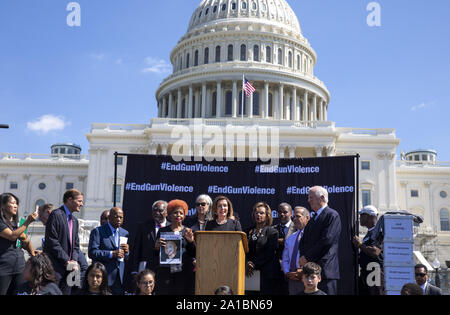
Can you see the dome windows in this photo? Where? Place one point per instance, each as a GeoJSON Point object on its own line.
{"type": "Point", "coordinates": [253, 6]}
{"type": "Point", "coordinates": [224, 7]}
{"type": "Point", "coordinates": [206, 59]}
{"type": "Point", "coordinates": [244, 5]}
{"type": "Point", "coordinates": [215, 9]}
{"type": "Point", "coordinates": [243, 53]}
{"type": "Point", "coordinates": [218, 54]}
{"type": "Point", "coordinates": [268, 54]}
{"type": "Point", "coordinates": [207, 11]}
{"type": "Point", "coordinates": [280, 56]}
{"type": "Point", "coordinates": [230, 53]}
{"type": "Point", "coordinates": [196, 58]}
{"type": "Point", "coordinates": [233, 6]}
{"type": "Point", "coordinates": [256, 53]}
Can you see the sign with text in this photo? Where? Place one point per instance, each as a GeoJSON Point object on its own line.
{"type": "Point", "coordinates": [150, 178]}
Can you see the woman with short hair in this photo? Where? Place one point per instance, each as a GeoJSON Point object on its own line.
{"type": "Point", "coordinates": [176, 279]}
{"type": "Point", "coordinates": [223, 216]}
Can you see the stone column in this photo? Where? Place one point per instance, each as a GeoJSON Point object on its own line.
{"type": "Point", "coordinates": [159, 108]}
{"type": "Point", "coordinates": [235, 100]}
{"type": "Point", "coordinates": [179, 104]}
{"type": "Point", "coordinates": [250, 106]}
{"type": "Point", "coordinates": [204, 100]}
{"type": "Point", "coordinates": [282, 148]}
{"type": "Point", "coordinates": [315, 107]}
{"type": "Point", "coordinates": [319, 151]}
{"type": "Point", "coordinates": [219, 100]}
{"type": "Point", "coordinates": [292, 152]}
{"type": "Point", "coordinates": [190, 104]}
{"type": "Point", "coordinates": [197, 104]}
{"type": "Point", "coordinates": [266, 100]}
{"type": "Point", "coordinates": [171, 112]}
{"type": "Point", "coordinates": [325, 113]}
{"type": "Point", "coordinates": [305, 116]}
{"type": "Point", "coordinates": [287, 107]}
{"type": "Point", "coordinates": [294, 115]}
{"type": "Point", "coordinates": [281, 101]}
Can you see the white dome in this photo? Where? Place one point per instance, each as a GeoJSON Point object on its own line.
{"type": "Point", "coordinates": [275, 12]}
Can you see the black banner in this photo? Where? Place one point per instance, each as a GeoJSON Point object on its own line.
{"type": "Point", "coordinates": [150, 178]}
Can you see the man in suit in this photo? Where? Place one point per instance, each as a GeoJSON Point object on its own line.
{"type": "Point", "coordinates": [106, 247]}
{"type": "Point", "coordinates": [291, 267]}
{"type": "Point", "coordinates": [320, 240]}
{"type": "Point", "coordinates": [61, 243]}
{"type": "Point", "coordinates": [146, 237]}
{"type": "Point", "coordinates": [285, 228]}
{"type": "Point", "coordinates": [421, 274]}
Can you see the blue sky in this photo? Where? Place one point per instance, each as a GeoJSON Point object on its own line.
{"type": "Point", "coordinates": [55, 80]}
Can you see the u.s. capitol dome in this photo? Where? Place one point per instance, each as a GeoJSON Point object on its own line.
{"type": "Point", "coordinates": [229, 39]}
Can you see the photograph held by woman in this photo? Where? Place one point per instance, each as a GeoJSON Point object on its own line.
{"type": "Point", "coordinates": [12, 260]}
{"type": "Point", "coordinates": [262, 245]}
{"type": "Point", "coordinates": [176, 279]}
{"type": "Point", "coordinates": [223, 216]}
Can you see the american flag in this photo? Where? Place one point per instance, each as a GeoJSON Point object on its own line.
{"type": "Point", "coordinates": [248, 87]}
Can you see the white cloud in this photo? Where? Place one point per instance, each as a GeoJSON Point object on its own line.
{"type": "Point", "coordinates": [155, 65]}
{"type": "Point", "coordinates": [421, 106]}
{"type": "Point", "coordinates": [47, 123]}
{"type": "Point", "coordinates": [98, 57]}
{"type": "Point", "coordinates": [119, 61]}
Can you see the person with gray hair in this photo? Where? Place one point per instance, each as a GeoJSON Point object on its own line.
{"type": "Point", "coordinates": [320, 240]}
{"type": "Point", "coordinates": [143, 256]}
{"type": "Point", "coordinates": [197, 221]}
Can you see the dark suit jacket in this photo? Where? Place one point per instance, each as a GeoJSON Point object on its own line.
{"type": "Point", "coordinates": [262, 252]}
{"type": "Point", "coordinates": [432, 290]}
{"type": "Point", "coordinates": [144, 246]}
{"type": "Point", "coordinates": [320, 242]}
{"type": "Point", "coordinates": [280, 228]}
{"type": "Point", "coordinates": [101, 243]}
{"type": "Point", "coordinates": [57, 243]}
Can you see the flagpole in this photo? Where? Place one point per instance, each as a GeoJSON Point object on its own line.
{"type": "Point", "coordinates": [242, 103]}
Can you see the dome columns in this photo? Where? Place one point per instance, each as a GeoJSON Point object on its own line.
{"type": "Point", "coordinates": [222, 98]}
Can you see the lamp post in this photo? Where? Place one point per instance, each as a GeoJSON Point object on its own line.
{"type": "Point", "coordinates": [436, 265]}
{"type": "Point", "coordinates": [4, 126]}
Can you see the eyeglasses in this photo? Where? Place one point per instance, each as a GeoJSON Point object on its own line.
{"type": "Point", "coordinates": [203, 204]}
{"type": "Point", "coordinates": [421, 274]}
{"type": "Point", "coordinates": [147, 282]}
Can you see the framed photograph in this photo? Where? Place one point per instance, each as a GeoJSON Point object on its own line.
{"type": "Point", "coordinates": [171, 254]}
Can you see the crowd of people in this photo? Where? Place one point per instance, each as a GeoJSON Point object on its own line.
{"type": "Point", "coordinates": [296, 256]}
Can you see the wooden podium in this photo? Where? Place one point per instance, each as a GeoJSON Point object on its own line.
{"type": "Point", "coordinates": [220, 261]}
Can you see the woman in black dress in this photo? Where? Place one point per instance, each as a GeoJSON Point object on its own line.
{"type": "Point", "coordinates": [40, 277]}
{"type": "Point", "coordinates": [222, 211]}
{"type": "Point", "coordinates": [176, 279]}
{"type": "Point", "coordinates": [262, 245]}
{"type": "Point", "coordinates": [12, 261]}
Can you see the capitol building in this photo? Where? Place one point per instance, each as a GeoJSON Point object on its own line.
{"type": "Point", "coordinates": [263, 41]}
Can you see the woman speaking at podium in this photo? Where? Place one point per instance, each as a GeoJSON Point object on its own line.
{"type": "Point", "coordinates": [222, 211]}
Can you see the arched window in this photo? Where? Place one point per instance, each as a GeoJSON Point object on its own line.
{"type": "Point", "coordinates": [215, 9]}
{"type": "Point", "coordinates": [218, 54]}
{"type": "Point", "coordinates": [445, 220]}
{"type": "Point", "coordinates": [290, 59]}
{"type": "Point", "coordinates": [244, 5]}
{"type": "Point", "coordinates": [268, 54]}
{"type": "Point", "coordinates": [187, 60]}
{"type": "Point", "coordinates": [280, 56]}
{"type": "Point", "coordinates": [256, 111]}
{"type": "Point", "coordinates": [243, 53]}
{"type": "Point", "coordinates": [228, 103]}
{"type": "Point", "coordinates": [206, 59]}
{"type": "Point", "coordinates": [196, 58]}
{"type": "Point", "coordinates": [233, 6]}
{"type": "Point", "coordinates": [224, 7]}
{"type": "Point", "coordinates": [256, 53]}
{"type": "Point", "coordinates": [230, 53]}
{"type": "Point", "coordinates": [254, 5]}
